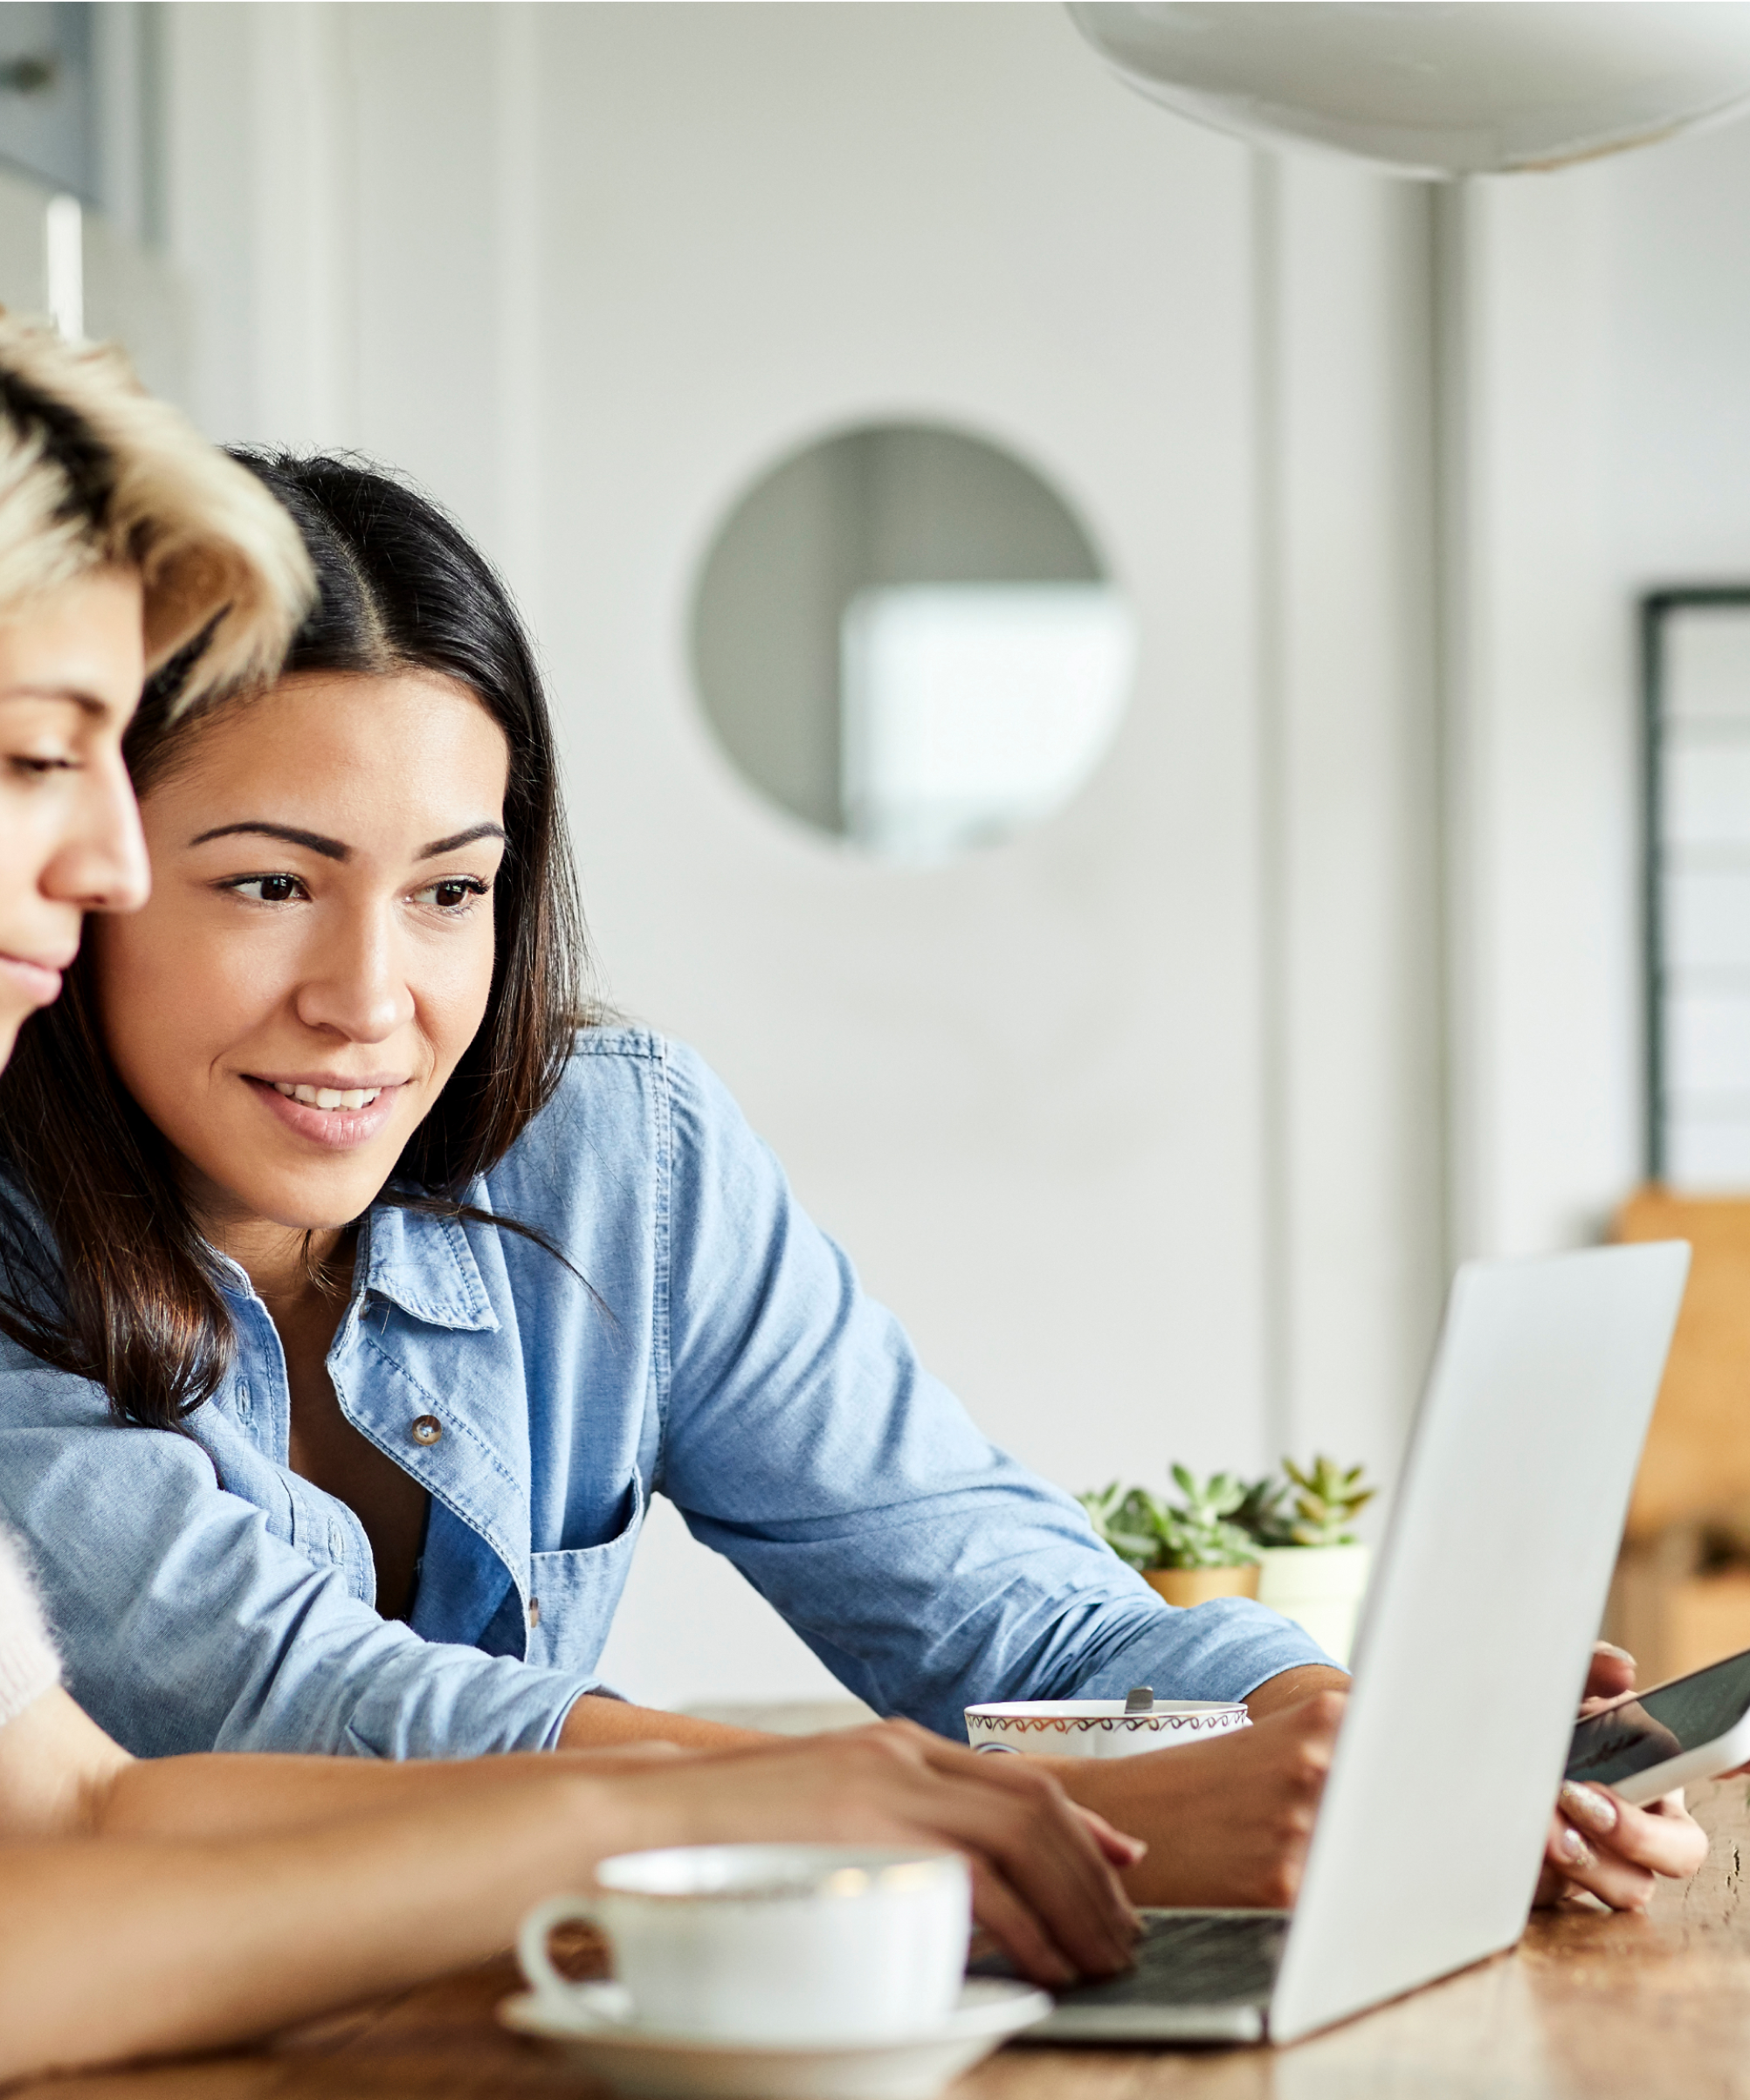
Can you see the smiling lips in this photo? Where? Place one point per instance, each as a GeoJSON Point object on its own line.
{"type": "Point", "coordinates": [338, 1118]}
{"type": "Point", "coordinates": [327, 1097]}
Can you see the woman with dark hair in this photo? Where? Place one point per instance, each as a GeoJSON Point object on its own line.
{"type": "Point", "coordinates": [216, 1898]}
{"type": "Point", "coordinates": [364, 1290]}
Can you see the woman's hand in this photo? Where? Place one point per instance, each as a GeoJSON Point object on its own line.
{"type": "Point", "coordinates": [1602, 1846]}
{"type": "Point", "coordinates": [1043, 1874]}
{"type": "Point", "coordinates": [1228, 1822]}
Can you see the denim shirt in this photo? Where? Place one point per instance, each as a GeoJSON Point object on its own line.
{"type": "Point", "coordinates": [205, 1597]}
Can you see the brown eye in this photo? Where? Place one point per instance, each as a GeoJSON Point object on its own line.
{"type": "Point", "coordinates": [266, 889]}
{"type": "Point", "coordinates": [453, 894]}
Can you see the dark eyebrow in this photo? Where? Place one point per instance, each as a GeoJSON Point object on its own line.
{"type": "Point", "coordinates": [461, 838]}
{"type": "Point", "coordinates": [330, 849]}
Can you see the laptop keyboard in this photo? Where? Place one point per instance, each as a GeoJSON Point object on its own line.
{"type": "Point", "coordinates": [1185, 1957]}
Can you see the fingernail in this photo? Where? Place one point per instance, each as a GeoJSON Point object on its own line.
{"type": "Point", "coordinates": [1609, 1648]}
{"type": "Point", "coordinates": [1574, 1849]}
{"type": "Point", "coordinates": [1597, 1811]}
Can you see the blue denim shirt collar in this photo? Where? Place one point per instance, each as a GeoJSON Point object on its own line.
{"type": "Point", "coordinates": [423, 1264]}
{"type": "Point", "coordinates": [427, 1267]}
{"type": "Point", "coordinates": [386, 1374]}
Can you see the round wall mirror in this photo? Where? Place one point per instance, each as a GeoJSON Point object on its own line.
{"type": "Point", "coordinates": [902, 635]}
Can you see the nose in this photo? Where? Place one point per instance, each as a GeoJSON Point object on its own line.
{"type": "Point", "coordinates": [357, 989]}
{"type": "Point", "coordinates": [100, 864]}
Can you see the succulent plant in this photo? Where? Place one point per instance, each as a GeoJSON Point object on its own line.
{"type": "Point", "coordinates": [1195, 1533]}
{"type": "Point", "coordinates": [1325, 1502]}
{"type": "Point", "coordinates": [1146, 1532]}
{"type": "Point", "coordinates": [1261, 1515]}
{"type": "Point", "coordinates": [1223, 1521]}
{"type": "Point", "coordinates": [1126, 1519]}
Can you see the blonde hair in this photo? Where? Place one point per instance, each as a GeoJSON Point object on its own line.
{"type": "Point", "coordinates": [95, 472]}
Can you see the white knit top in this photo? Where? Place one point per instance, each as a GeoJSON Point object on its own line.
{"type": "Point", "coordinates": [28, 1664]}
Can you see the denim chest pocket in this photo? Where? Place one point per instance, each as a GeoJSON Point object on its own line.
{"type": "Point", "coordinates": [574, 1593]}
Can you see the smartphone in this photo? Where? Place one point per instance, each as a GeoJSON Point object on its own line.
{"type": "Point", "coordinates": [1646, 1743]}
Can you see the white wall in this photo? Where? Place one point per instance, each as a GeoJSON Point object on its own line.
{"type": "Point", "coordinates": [1677, 403]}
{"type": "Point", "coordinates": [1542, 1026]}
{"type": "Point", "coordinates": [1599, 446]}
{"type": "Point", "coordinates": [1137, 1119]}
{"type": "Point", "coordinates": [1353, 919]}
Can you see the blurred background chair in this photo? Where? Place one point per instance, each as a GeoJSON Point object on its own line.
{"type": "Point", "coordinates": [1682, 1594]}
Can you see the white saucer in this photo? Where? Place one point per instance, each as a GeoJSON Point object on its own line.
{"type": "Point", "coordinates": [675, 2067]}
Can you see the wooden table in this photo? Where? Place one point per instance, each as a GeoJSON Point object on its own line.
{"type": "Point", "coordinates": [1589, 2007]}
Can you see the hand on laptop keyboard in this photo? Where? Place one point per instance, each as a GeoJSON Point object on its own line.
{"type": "Point", "coordinates": [1228, 1822]}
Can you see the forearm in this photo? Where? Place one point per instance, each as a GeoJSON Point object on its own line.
{"type": "Point", "coordinates": [1291, 1687]}
{"type": "Point", "coordinates": [1139, 1793]}
{"type": "Point", "coordinates": [1147, 1794]}
{"type": "Point", "coordinates": [198, 1944]}
{"type": "Point", "coordinates": [235, 1794]}
{"type": "Point", "coordinates": [599, 1724]}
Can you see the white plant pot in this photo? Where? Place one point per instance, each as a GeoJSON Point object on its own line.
{"type": "Point", "coordinates": [1320, 1588]}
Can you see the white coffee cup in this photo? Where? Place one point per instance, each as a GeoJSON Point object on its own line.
{"type": "Point", "coordinates": [782, 1944]}
{"type": "Point", "coordinates": [1096, 1728]}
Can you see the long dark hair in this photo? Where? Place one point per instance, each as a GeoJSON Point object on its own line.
{"type": "Point", "coordinates": [128, 1293]}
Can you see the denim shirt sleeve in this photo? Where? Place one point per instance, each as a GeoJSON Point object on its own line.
{"type": "Point", "coordinates": [803, 1439]}
{"type": "Point", "coordinates": [141, 1554]}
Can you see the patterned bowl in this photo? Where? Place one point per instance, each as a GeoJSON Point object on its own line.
{"type": "Point", "coordinates": [1096, 1728]}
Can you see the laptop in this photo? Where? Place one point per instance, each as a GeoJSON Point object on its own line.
{"type": "Point", "coordinates": [1469, 1666]}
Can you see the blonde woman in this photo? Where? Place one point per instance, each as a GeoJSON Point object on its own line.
{"type": "Point", "coordinates": [217, 1896]}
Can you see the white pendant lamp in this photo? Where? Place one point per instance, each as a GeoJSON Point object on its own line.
{"type": "Point", "coordinates": [1484, 86]}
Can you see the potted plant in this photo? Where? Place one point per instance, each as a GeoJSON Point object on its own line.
{"type": "Point", "coordinates": [1311, 1568]}
{"type": "Point", "coordinates": [1189, 1550]}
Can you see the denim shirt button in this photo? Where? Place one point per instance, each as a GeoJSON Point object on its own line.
{"type": "Point", "coordinates": [426, 1428]}
{"type": "Point", "coordinates": [534, 1611]}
